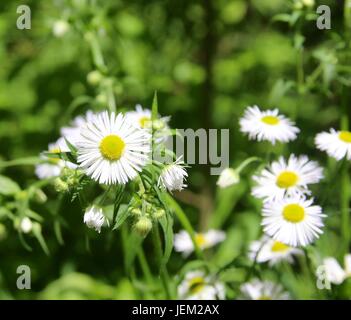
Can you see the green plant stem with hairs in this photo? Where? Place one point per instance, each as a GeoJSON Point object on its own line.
{"type": "Point", "coordinates": [163, 270]}
{"type": "Point", "coordinates": [184, 221]}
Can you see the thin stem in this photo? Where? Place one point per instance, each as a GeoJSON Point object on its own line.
{"type": "Point", "coordinates": [344, 206]}
{"type": "Point", "coordinates": [345, 180]}
{"type": "Point", "coordinates": [163, 270]}
{"type": "Point", "coordinates": [246, 163]}
{"type": "Point", "coordinates": [145, 268]}
{"type": "Point", "coordinates": [184, 221]}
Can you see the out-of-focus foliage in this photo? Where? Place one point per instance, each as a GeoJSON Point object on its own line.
{"type": "Point", "coordinates": [208, 60]}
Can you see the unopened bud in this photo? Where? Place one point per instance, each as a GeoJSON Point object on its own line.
{"type": "Point", "coordinates": [159, 213]}
{"type": "Point", "coordinates": [94, 77]}
{"type": "Point", "coordinates": [60, 185]}
{"type": "Point", "coordinates": [143, 226]}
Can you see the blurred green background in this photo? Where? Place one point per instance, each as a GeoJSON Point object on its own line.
{"type": "Point", "coordinates": [207, 59]}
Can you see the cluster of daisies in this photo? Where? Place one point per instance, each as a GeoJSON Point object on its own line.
{"type": "Point", "coordinates": [290, 219]}
{"type": "Point", "coordinates": [111, 149]}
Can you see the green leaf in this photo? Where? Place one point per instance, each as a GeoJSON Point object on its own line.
{"type": "Point", "coordinates": [37, 233]}
{"type": "Point", "coordinates": [154, 108]}
{"type": "Point", "coordinates": [166, 223]}
{"type": "Point", "coordinates": [122, 215]}
{"type": "Point", "coordinates": [131, 244]}
{"type": "Point", "coordinates": [8, 187]}
{"type": "Point", "coordinates": [21, 162]}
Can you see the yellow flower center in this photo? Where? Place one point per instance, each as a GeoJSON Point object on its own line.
{"type": "Point", "coordinates": [144, 121]}
{"type": "Point", "coordinates": [264, 297]}
{"type": "Point", "coordinates": [271, 120]}
{"type": "Point", "coordinates": [200, 239]}
{"type": "Point", "coordinates": [279, 247]}
{"type": "Point", "coordinates": [345, 136]}
{"type": "Point", "coordinates": [293, 213]}
{"type": "Point", "coordinates": [112, 147]}
{"type": "Point", "coordinates": [196, 284]}
{"type": "Point", "coordinates": [287, 179]}
{"type": "Point", "coordinates": [54, 160]}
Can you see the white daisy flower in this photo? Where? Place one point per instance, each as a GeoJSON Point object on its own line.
{"type": "Point", "coordinates": [267, 125]}
{"type": "Point", "coordinates": [227, 178]}
{"type": "Point", "coordinates": [72, 133]}
{"type": "Point", "coordinates": [287, 178]}
{"type": "Point", "coordinates": [26, 225]}
{"type": "Point", "coordinates": [142, 118]}
{"type": "Point", "coordinates": [294, 221]}
{"type": "Point", "coordinates": [336, 144]}
{"type": "Point", "coordinates": [52, 167]}
{"type": "Point", "coordinates": [184, 244]}
{"type": "Point", "coordinates": [334, 272]}
{"type": "Point", "coordinates": [272, 251]}
{"type": "Point", "coordinates": [94, 218]}
{"type": "Point", "coordinates": [197, 286]}
{"type": "Point", "coordinates": [111, 150]}
{"type": "Point", "coordinates": [172, 176]}
{"type": "Point", "coordinates": [263, 290]}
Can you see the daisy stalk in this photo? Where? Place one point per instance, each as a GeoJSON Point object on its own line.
{"type": "Point", "coordinates": [345, 183]}
{"type": "Point", "coordinates": [184, 221]}
{"type": "Point", "coordinates": [345, 180]}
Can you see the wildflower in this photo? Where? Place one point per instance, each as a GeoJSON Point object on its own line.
{"type": "Point", "coordinates": [287, 178]}
{"type": "Point", "coordinates": [71, 133]}
{"type": "Point", "coordinates": [142, 118]}
{"type": "Point", "coordinates": [172, 176]}
{"type": "Point", "coordinates": [272, 251]}
{"type": "Point", "coordinates": [293, 221]}
{"type": "Point", "coordinates": [197, 286]}
{"type": "Point", "coordinates": [110, 150]}
{"type": "Point", "coordinates": [94, 218]}
{"type": "Point", "coordinates": [336, 144]}
{"type": "Point", "coordinates": [227, 178]}
{"type": "Point", "coordinates": [263, 290]}
{"type": "Point", "coordinates": [267, 125]}
{"type": "Point", "coordinates": [334, 272]}
{"type": "Point", "coordinates": [184, 244]}
{"type": "Point", "coordinates": [52, 167]}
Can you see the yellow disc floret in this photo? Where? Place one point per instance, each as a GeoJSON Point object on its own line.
{"type": "Point", "coordinates": [345, 136]}
{"type": "Point", "coordinates": [294, 213]}
{"type": "Point", "coordinates": [271, 120]}
{"type": "Point", "coordinates": [200, 239]}
{"type": "Point", "coordinates": [196, 284]}
{"type": "Point", "coordinates": [112, 147]}
{"type": "Point", "coordinates": [287, 179]}
{"type": "Point", "coordinates": [279, 247]}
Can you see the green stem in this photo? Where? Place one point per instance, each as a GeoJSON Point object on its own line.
{"type": "Point", "coordinates": [163, 270]}
{"type": "Point", "coordinates": [145, 268]}
{"type": "Point", "coordinates": [344, 206]}
{"type": "Point", "coordinates": [345, 180]}
{"type": "Point", "coordinates": [184, 221]}
{"type": "Point", "coordinates": [246, 163]}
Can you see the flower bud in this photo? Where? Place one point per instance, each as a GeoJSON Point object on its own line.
{"type": "Point", "coordinates": [94, 77]}
{"type": "Point", "coordinates": [228, 178]}
{"type": "Point", "coordinates": [159, 213]}
{"type": "Point", "coordinates": [40, 196]}
{"type": "Point", "coordinates": [143, 226]}
{"type": "Point", "coordinates": [60, 185]}
{"type": "Point", "coordinates": [60, 28]}
{"type": "Point", "coordinates": [136, 212]}
{"type": "Point", "coordinates": [26, 225]}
